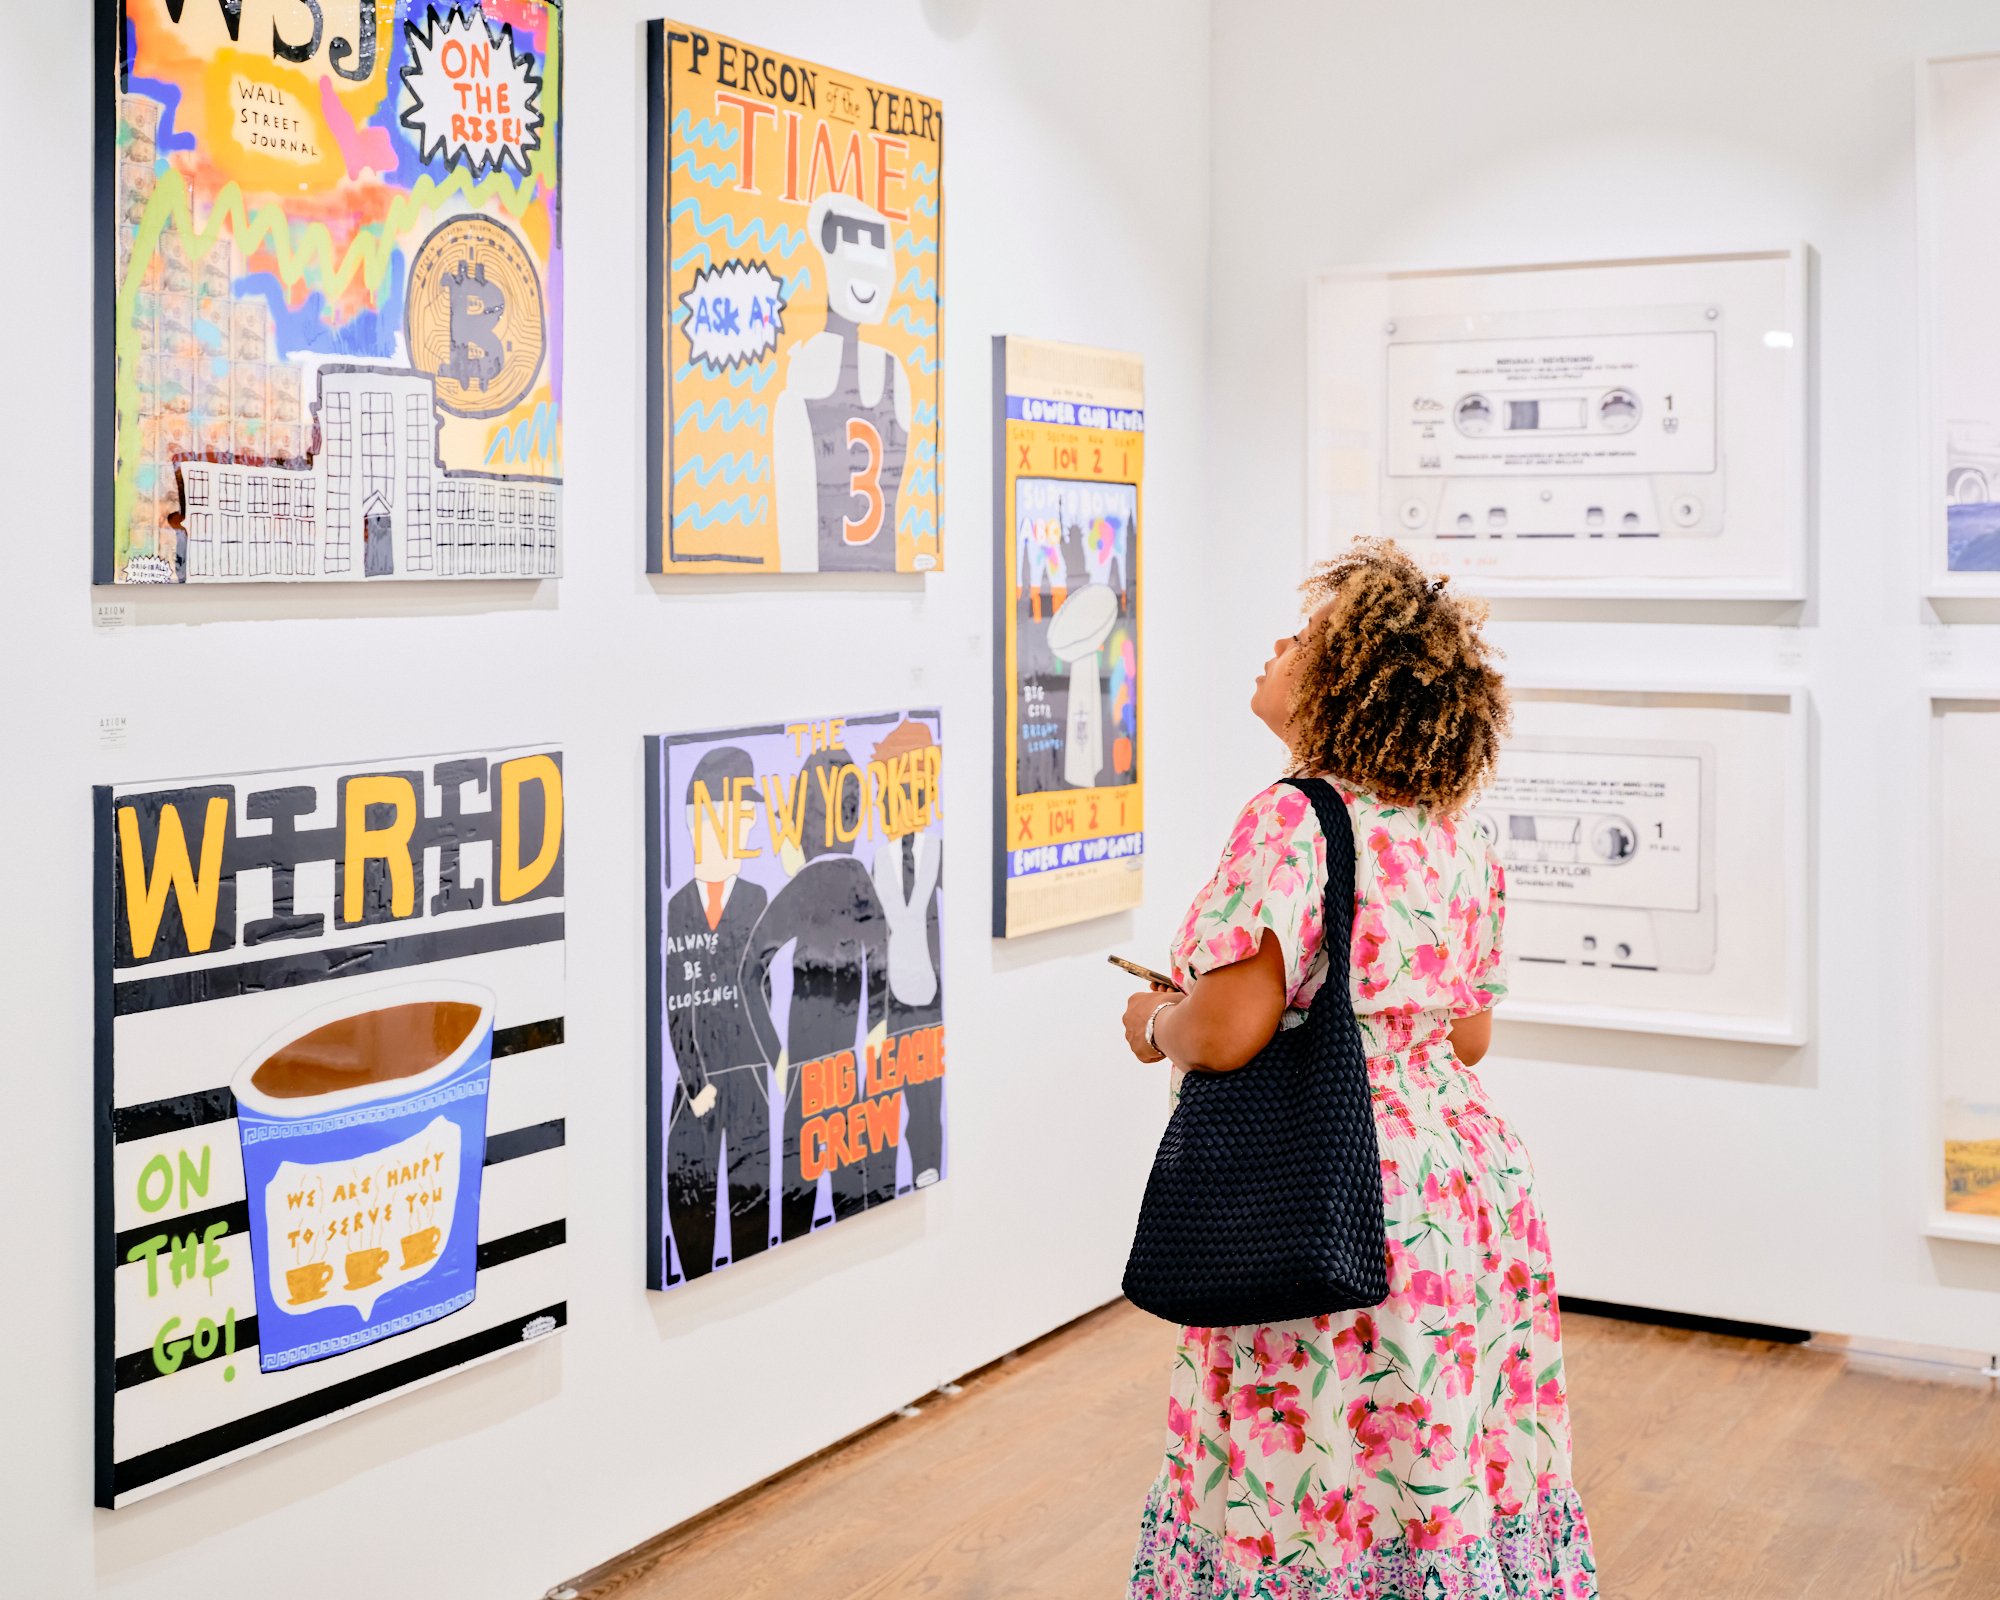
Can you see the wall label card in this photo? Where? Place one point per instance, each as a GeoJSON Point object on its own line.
{"type": "Point", "coordinates": [1069, 443]}
{"type": "Point", "coordinates": [330, 270]}
{"type": "Point", "coordinates": [795, 986]}
{"type": "Point", "coordinates": [795, 312]}
{"type": "Point", "coordinates": [329, 1095]}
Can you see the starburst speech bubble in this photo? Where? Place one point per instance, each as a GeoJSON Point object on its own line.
{"type": "Point", "coordinates": [733, 314]}
{"type": "Point", "coordinates": [469, 96]}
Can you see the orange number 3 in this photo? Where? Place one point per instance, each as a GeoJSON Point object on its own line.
{"type": "Point", "coordinates": [866, 481]}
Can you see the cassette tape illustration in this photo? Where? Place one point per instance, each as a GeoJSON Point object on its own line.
{"type": "Point", "coordinates": [1609, 848]}
{"type": "Point", "coordinates": [1585, 424]}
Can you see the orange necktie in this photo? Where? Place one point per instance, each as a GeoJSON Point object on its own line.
{"type": "Point", "coordinates": [714, 893]}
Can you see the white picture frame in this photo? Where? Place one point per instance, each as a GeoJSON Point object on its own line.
{"type": "Point", "coordinates": [1958, 146]}
{"type": "Point", "coordinates": [1724, 993]}
{"type": "Point", "coordinates": [1968, 850]}
{"type": "Point", "coordinates": [1727, 524]}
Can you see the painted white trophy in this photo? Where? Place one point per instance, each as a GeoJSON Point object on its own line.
{"type": "Point", "coordinates": [1076, 633]}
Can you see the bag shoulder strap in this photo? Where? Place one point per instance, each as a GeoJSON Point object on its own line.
{"type": "Point", "coordinates": [1338, 909]}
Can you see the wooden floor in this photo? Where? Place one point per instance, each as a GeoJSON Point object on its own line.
{"type": "Point", "coordinates": [1710, 1467]}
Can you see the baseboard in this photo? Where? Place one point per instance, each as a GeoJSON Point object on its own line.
{"type": "Point", "coordinates": [1729, 1327]}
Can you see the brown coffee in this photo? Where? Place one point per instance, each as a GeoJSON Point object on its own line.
{"type": "Point", "coordinates": [374, 1047]}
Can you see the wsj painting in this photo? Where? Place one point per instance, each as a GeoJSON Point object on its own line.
{"type": "Point", "coordinates": [795, 303]}
{"type": "Point", "coordinates": [795, 905]}
{"type": "Point", "coordinates": [330, 288]}
{"type": "Point", "coordinates": [330, 1119]}
{"type": "Point", "coordinates": [1070, 439]}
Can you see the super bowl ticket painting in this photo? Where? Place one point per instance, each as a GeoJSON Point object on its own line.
{"type": "Point", "coordinates": [795, 980]}
{"type": "Point", "coordinates": [795, 310]}
{"type": "Point", "coordinates": [1069, 802]}
{"type": "Point", "coordinates": [330, 1114]}
{"type": "Point", "coordinates": [330, 291]}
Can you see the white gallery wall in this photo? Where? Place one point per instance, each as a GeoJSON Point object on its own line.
{"type": "Point", "coordinates": [1162, 176]}
{"type": "Point", "coordinates": [1076, 211]}
{"type": "Point", "coordinates": [1789, 1186]}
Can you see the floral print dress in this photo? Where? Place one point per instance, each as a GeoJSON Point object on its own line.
{"type": "Point", "coordinates": [1419, 1450]}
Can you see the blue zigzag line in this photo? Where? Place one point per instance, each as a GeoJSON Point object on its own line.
{"type": "Point", "coordinates": [922, 481]}
{"type": "Point", "coordinates": [925, 451]}
{"type": "Point", "coordinates": [740, 509]}
{"type": "Point", "coordinates": [754, 378]}
{"type": "Point", "coordinates": [534, 435]}
{"type": "Point", "coordinates": [781, 241]}
{"type": "Point", "coordinates": [920, 358]}
{"type": "Point", "coordinates": [923, 172]}
{"type": "Point", "coordinates": [924, 206]}
{"type": "Point", "coordinates": [926, 412]}
{"type": "Point", "coordinates": [701, 253]}
{"type": "Point", "coordinates": [916, 283]}
{"type": "Point", "coordinates": [917, 522]}
{"type": "Point", "coordinates": [715, 173]}
{"type": "Point", "coordinates": [723, 414]}
{"type": "Point", "coordinates": [712, 134]}
{"type": "Point", "coordinates": [921, 326]}
{"type": "Point", "coordinates": [909, 242]}
{"type": "Point", "coordinates": [745, 467]}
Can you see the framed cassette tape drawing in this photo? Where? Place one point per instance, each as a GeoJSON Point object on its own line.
{"type": "Point", "coordinates": [329, 1096]}
{"type": "Point", "coordinates": [1069, 438]}
{"type": "Point", "coordinates": [1625, 429]}
{"type": "Point", "coordinates": [1654, 842]}
{"type": "Point", "coordinates": [1962, 1177]}
{"type": "Point", "coordinates": [1958, 123]}
{"type": "Point", "coordinates": [795, 981]}
{"type": "Point", "coordinates": [795, 297]}
{"type": "Point", "coordinates": [330, 291]}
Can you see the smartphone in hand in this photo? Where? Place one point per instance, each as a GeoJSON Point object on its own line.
{"type": "Point", "coordinates": [1137, 971]}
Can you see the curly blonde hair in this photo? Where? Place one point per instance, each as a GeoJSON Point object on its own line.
{"type": "Point", "coordinates": [1397, 692]}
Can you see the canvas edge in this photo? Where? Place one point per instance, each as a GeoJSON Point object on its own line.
{"type": "Point", "coordinates": [105, 1245]}
{"type": "Point", "coordinates": [109, 70]}
{"type": "Point", "coordinates": [656, 1138]}
{"type": "Point", "coordinates": [1002, 690]}
{"type": "Point", "coordinates": [939, 443]}
{"type": "Point", "coordinates": [656, 344]}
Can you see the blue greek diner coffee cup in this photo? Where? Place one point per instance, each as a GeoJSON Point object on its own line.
{"type": "Point", "coordinates": [363, 1129]}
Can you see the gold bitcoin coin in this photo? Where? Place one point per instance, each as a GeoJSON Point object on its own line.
{"type": "Point", "coordinates": [474, 316]}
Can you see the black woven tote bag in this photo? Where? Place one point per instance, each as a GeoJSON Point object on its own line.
{"type": "Point", "coordinates": [1265, 1202]}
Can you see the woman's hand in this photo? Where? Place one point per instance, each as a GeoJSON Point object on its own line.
{"type": "Point", "coordinates": [1227, 1017]}
{"type": "Point", "coordinates": [1138, 1010]}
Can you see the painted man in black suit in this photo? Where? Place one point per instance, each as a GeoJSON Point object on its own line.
{"type": "Point", "coordinates": [828, 913]}
{"type": "Point", "coordinates": [721, 1106]}
{"type": "Point", "coordinates": [909, 875]}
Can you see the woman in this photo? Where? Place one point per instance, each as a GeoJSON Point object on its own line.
{"type": "Point", "coordinates": [1418, 1450]}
